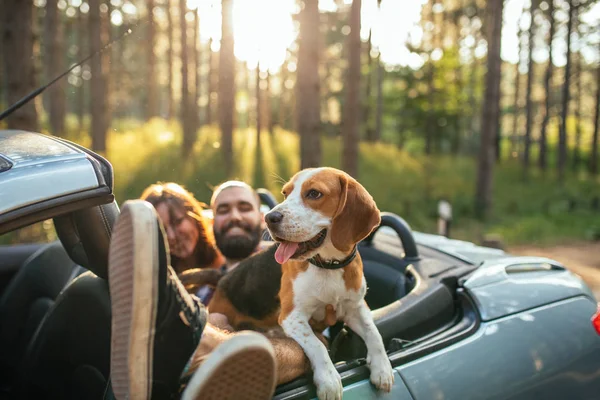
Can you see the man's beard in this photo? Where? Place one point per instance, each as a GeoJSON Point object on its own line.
{"type": "Point", "coordinates": [238, 247]}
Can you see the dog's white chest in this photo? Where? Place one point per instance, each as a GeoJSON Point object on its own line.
{"type": "Point", "coordinates": [317, 287]}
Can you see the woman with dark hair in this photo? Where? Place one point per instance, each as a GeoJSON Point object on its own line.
{"type": "Point", "coordinates": [189, 233]}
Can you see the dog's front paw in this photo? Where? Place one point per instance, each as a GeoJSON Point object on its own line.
{"type": "Point", "coordinates": [382, 375]}
{"type": "Point", "coordinates": [328, 383]}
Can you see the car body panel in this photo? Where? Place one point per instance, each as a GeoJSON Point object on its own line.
{"type": "Point", "coordinates": [551, 352]}
{"type": "Point", "coordinates": [365, 390]}
{"type": "Point", "coordinates": [42, 169]}
{"type": "Point", "coordinates": [506, 286]}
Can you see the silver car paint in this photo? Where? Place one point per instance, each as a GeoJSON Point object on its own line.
{"type": "Point", "coordinates": [506, 286]}
{"type": "Point", "coordinates": [42, 169]}
{"type": "Point", "coordinates": [551, 352]}
{"type": "Point", "coordinates": [548, 353]}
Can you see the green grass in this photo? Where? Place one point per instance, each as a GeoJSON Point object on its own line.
{"type": "Point", "coordinates": [526, 211]}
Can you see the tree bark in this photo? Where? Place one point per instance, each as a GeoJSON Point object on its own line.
{"type": "Point", "coordinates": [370, 136]}
{"type": "Point", "coordinates": [562, 138]}
{"type": "Point", "coordinates": [98, 83]}
{"type": "Point", "coordinates": [379, 104]}
{"type": "Point", "coordinates": [258, 100]}
{"type": "Point", "coordinates": [170, 102]}
{"type": "Point", "coordinates": [197, 68]}
{"type": "Point", "coordinates": [352, 103]}
{"type": "Point", "coordinates": [308, 86]}
{"type": "Point", "coordinates": [226, 84]}
{"type": "Point", "coordinates": [430, 123]}
{"type": "Point", "coordinates": [281, 111]}
{"type": "Point", "coordinates": [269, 121]}
{"type": "Point", "coordinates": [209, 110]}
{"type": "Point", "coordinates": [530, 76]}
{"type": "Point", "coordinates": [152, 84]}
{"type": "Point", "coordinates": [594, 155]}
{"type": "Point", "coordinates": [516, 105]}
{"type": "Point", "coordinates": [185, 106]}
{"type": "Point", "coordinates": [490, 112]}
{"type": "Point", "coordinates": [54, 59]}
{"type": "Point", "coordinates": [17, 45]}
{"type": "Point", "coordinates": [578, 100]}
{"type": "Point", "coordinates": [547, 89]}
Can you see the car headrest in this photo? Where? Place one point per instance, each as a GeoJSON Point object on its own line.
{"type": "Point", "coordinates": [85, 235]}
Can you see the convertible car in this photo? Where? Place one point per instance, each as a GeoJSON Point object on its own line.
{"type": "Point", "coordinates": [459, 321]}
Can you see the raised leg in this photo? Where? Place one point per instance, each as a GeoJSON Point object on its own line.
{"type": "Point", "coordinates": [361, 322]}
{"type": "Point", "coordinates": [325, 376]}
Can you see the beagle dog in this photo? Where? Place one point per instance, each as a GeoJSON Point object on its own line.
{"type": "Point", "coordinates": [324, 215]}
{"type": "Point", "coordinates": [312, 276]}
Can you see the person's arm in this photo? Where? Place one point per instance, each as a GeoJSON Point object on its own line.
{"type": "Point", "coordinates": [290, 358]}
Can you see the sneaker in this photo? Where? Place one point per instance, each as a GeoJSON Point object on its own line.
{"type": "Point", "coordinates": [242, 367]}
{"type": "Point", "coordinates": [156, 324]}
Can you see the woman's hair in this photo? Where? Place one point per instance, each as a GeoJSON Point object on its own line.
{"type": "Point", "coordinates": [177, 198]}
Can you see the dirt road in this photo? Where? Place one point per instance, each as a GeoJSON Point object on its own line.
{"type": "Point", "coordinates": [581, 258]}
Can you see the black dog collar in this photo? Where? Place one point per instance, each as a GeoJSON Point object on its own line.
{"type": "Point", "coordinates": [333, 264]}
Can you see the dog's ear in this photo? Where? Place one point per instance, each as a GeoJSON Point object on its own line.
{"type": "Point", "coordinates": [356, 215]}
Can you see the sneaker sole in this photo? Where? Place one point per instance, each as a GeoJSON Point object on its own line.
{"type": "Point", "coordinates": [132, 272]}
{"type": "Point", "coordinates": [243, 367]}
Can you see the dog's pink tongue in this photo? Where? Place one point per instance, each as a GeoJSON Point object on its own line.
{"type": "Point", "coordinates": [285, 251]}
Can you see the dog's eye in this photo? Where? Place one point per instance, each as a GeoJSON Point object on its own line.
{"type": "Point", "coordinates": [314, 194]}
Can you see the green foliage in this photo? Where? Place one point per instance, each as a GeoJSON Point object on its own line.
{"type": "Point", "coordinates": [536, 210]}
{"type": "Point", "coordinates": [410, 184]}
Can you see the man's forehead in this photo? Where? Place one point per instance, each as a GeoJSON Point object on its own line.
{"type": "Point", "coordinates": [233, 195]}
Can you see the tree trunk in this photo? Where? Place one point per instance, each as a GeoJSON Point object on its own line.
{"type": "Point", "coordinates": [209, 110]}
{"type": "Point", "coordinates": [429, 125]}
{"type": "Point", "coordinates": [152, 84]}
{"type": "Point", "coordinates": [226, 84]}
{"type": "Point", "coordinates": [198, 66]}
{"type": "Point", "coordinates": [530, 76]}
{"type": "Point", "coordinates": [547, 88]}
{"type": "Point", "coordinates": [379, 108]}
{"type": "Point", "coordinates": [367, 101]}
{"type": "Point", "coordinates": [308, 114]}
{"type": "Point", "coordinates": [594, 155]}
{"type": "Point", "coordinates": [55, 64]}
{"type": "Point", "coordinates": [99, 69]}
{"type": "Point", "coordinates": [380, 75]}
{"type": "Point", "coordinates": [170, 102]}
{"type": "Point", "coordinates": [187, 121]}
{"type": "Point", "coordinates": [562, 138]}
{"type": "Point", "coordinates": [350, 129]}
{"type": "Point", "coordinates": [473, 78]}
{"type": "Point", "coordinates": [258, 100]}
{"type": "Point", "coordinates": [281, 117]}
{"type": "Point", "coordinates": [269, 120]}
{"type": "Point", "coordinates": [516, 102]}
{"type": "Point", "coordinates": [458, 78]}
{"type": "Point", "coordinates": [578, 95]}
{"type": "Point", "coordinates": [490, 112]}
{"type": "Point", "coordinates": [17, 45]}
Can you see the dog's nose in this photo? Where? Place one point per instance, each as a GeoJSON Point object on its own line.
{"type": "Point", "coordinates": [274, 217]}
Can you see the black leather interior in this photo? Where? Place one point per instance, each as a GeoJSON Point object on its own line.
{"type": "Point", "coordinates": [28, 297]}
{"type": "Point", "coordinates": [70, 356]}
{"type": "Point", "coordinates": [70, 352]}
{"type": "Point", "coordinates": [384, 284]}
{"type": "Point", "coordinates": [85, 234]}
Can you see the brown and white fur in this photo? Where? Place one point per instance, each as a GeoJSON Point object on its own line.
{"type": "Point", "coordinates": [318, 199]}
